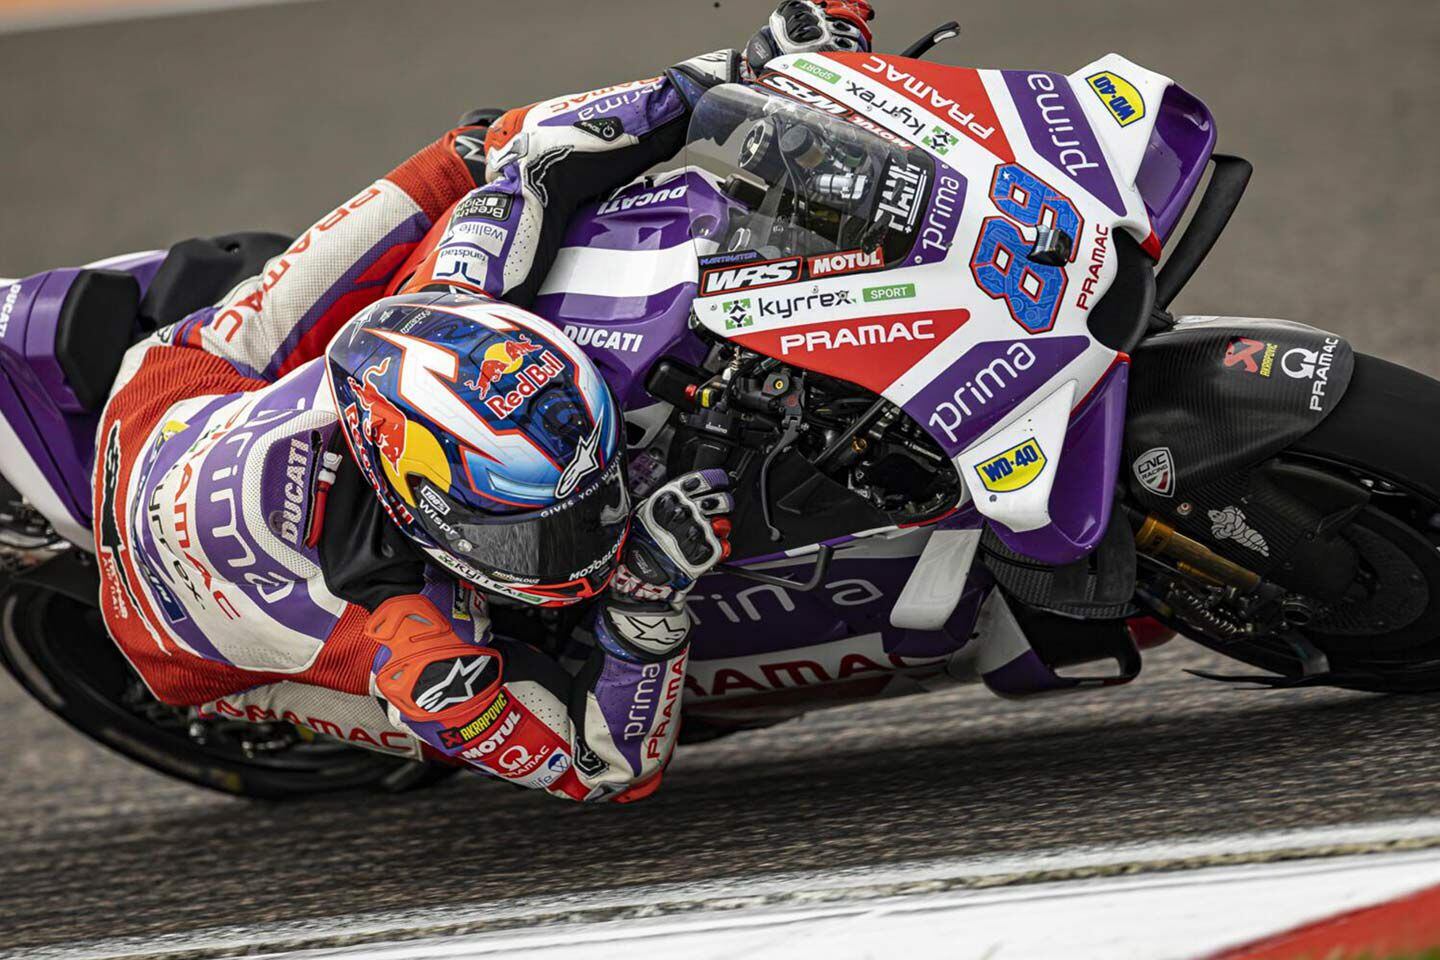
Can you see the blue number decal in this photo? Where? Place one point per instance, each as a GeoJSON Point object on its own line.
{"type": "Point", "coordinates": [1032, 291]}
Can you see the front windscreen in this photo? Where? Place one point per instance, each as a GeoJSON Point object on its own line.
{"type": "Point", "coordinates": [802, 182]}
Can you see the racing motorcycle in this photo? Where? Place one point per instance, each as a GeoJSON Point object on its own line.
{"type": "Point", "coordinates": [915, 311]}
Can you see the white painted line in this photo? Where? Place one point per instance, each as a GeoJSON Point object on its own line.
{"type": "Point", "coordinates": [852, 889]}
{"type": "Point", "coordinates": [59, 15]}
{"type": "Point", "coordinates": [1158, 916]}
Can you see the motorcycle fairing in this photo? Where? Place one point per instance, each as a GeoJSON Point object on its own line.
{"type": "Point", "coordinates": [959, 304]}
{"type": "Point", "coordinates": [625, 275]}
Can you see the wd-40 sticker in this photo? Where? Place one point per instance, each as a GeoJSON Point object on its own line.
{"type": "Point", "coordinates": [1014, 469]}
{"type": "Point", "coordinates": [1119, 96]}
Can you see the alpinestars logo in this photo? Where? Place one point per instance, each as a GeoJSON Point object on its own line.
{"type": "Point", "coordinates": [586, 462]}
{"type": "Point", "coordinates": [751, 276]}
{"type": "Point", "coordinates": [458, 685]}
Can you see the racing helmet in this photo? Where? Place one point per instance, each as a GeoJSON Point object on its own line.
{"type": "Point", "coordinates": [489, 438]}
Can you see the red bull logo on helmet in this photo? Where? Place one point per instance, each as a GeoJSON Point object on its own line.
{"type": "Point", "coordinates": [384, 422]}
{"type": "Point", "coordinates": [529, 380]}
{"type": "Point", "coordinates": [501, 359]}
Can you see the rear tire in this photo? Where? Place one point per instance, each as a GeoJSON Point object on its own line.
{"type": "Point", "coordinates": [58, 650]}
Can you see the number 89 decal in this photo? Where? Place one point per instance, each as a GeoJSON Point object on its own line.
{"type": "Point", "coordinates": [1032, 291]}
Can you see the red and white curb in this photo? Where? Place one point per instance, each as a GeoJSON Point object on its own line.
{"type": "Point", "coordinates": [1185, 900]}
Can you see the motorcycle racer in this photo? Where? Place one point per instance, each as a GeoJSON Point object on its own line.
{"type": "Point", "coordinates": [309, 496]}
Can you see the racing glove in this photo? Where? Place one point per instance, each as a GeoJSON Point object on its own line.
{"type": "Point", "coordinates": [677, 534]}
{"type": "Point", "coordinates": [810, 26]}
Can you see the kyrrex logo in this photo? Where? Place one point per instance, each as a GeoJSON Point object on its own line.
{"type": "Point", "coordinates": [737, 313]}
{"type": "Point", "coordinates": [787, 307]}
{"type": "Point", "coordinates": [749, 276]}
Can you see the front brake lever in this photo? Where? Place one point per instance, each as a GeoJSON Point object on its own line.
{"type": "Point", "coordinates": [946, 31]}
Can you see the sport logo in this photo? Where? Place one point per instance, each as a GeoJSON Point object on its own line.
{"type": "Point", "coordinates": [1119, 96]}
{"type": "Point", "coordinates": [1301, 363]}
{"type": "Point", "coordinates": [752, 276]}
{"type": "Point", "coordinates": [1251, 356]}
{"type": "Point", "coordinates": [940, 140]}
{"type": "Point", "coordinates": [500, 359]}
{"type": "Point", "coordinates": [787, 307]}
{"type": "Point", "coordinates": [1230, 524]}
{"type": "Point", "coordinates": [1155, 469]}
{"type": "Point", "coordinates": [492, 743]}
{"type": "Point", "coordinates": [649, 198]}
{"type": "Point", "coordinates": [816, 71]}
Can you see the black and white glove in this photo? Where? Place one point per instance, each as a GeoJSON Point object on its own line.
{"type": "Point", "coordinates": [810, 26]}
{"type": "Point", "coordinates": [677, 535]}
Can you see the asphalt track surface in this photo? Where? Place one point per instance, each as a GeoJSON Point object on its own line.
{"type": "Point", "coordinates": [125, 136]}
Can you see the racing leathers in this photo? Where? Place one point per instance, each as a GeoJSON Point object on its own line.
{"type": "Point", "coordinates": [228, 522]}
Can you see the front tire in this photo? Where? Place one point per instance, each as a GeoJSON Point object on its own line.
{"type": "Point", "coordinates": [1382, 634]}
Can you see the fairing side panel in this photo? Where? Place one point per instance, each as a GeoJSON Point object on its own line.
{"type": "Point", "coordinates": [625, 277]}
{"type": "Point", "coordinates": [48, 437]}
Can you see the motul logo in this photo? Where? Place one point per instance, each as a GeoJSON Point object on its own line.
{"type": "Point", "coordinates": [848, 262]}
{"type": "Point", "coordinates": [865, 335]}
{"type": "Point", "coordinates": [768, 274]}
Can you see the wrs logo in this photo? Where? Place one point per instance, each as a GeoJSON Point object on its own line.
{"type": "Point", "coordinates": [1119, 95]}
{"type": "Point", "coordinates": [751, 276]}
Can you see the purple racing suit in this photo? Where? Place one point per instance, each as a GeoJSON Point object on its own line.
{"type": "Point", "coordinates": [218, 486]}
